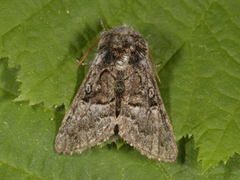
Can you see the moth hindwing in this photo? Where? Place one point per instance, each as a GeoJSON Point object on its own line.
{"type": "Point", "coordinates": [119, 96]}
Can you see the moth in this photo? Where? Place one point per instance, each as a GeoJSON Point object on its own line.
{"type": "Point", "coordinates": [119, 97]}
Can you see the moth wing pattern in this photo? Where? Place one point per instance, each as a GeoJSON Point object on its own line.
{"type": "Point", "coordinates": [119, 96]}
{"type": "Point", "coordinates": [143, 120]}
{"type": "Point", "coordinates": [91, 117]}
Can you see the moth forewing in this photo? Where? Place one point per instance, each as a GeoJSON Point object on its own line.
{"type": "Point", "coordinates": [153, 64]}
{"type": "Point", "coordinates": [86, 123]}
{"type": "Point", "coordinates": [119, 96]}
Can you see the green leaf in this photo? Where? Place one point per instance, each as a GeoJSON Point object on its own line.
{"type": "Point", "coordinates": [204, 90]}
{"type": "Point", "coordinates": [197, 41]}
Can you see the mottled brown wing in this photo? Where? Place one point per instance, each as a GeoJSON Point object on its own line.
{"type": "Point", "coordinates": [143, 121]}
{"type": "Point", "coordinates": [91, 117]}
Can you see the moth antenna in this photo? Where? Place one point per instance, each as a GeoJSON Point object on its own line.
{"type": "Point", "coordinates": [153, 64]}
{"type": "Point", "coordinates": [89, 49]}
{"type": "Point", "coordinates": [103, 25]}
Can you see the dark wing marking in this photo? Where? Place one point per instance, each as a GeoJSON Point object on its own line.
{"type": "Point", "coordinates": [91, 117]}
{"type": "Point", "coordinates": [143, 121]}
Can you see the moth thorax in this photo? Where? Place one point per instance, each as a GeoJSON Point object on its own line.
{"type": "Point", "coordinates": [122, 63]}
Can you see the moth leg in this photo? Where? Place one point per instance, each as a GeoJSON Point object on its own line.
{"type": "Point", "coordinates": [159, 64]}
{"type": "Point", "coordinates": [85, 64]}
{"type": "Point", "coordinates": [90, 48]}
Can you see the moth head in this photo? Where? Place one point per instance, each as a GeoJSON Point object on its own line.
{"type": "Point", "coordinates": [124, 42]}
